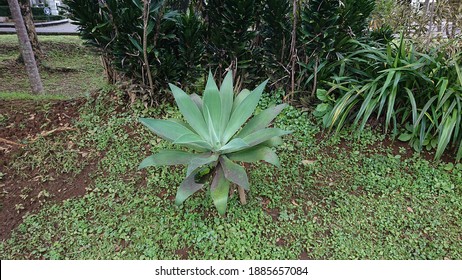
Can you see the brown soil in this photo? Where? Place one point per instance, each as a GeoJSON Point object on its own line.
{"type": "Point", "coordinates": [20, 124]}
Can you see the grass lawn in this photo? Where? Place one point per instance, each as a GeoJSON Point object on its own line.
{"type": "Point", "coordinates": [75, 192]}
{"type": "Point", "coordinates": [69, 68]}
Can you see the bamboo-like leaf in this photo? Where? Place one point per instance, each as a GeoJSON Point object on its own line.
{"type": "Point", "coordinates": [234, 172]}
{"type": "Point", "coordinates": [167, 157]}
{"type": "Point", "coordinates": [261, 120]}
{"type": "Point", "coordinates": [187, 188]}
{"type": "Point", "coordinates": [190, 111]}
{"type": "Point", "coordinates": [242, 112]}
{"type": "Point", "coordinates": [391, 100]}
{"type": "Point", "coordinates": [383, 96]}
{"type": "Point", "coordinates": [413, 105]}
{"type": "Point", "coordinates": [219, 190]}
{"type": "Point", "coordinates": [445, 134]}
{"type": "Point", "coordinates": [256, 154]}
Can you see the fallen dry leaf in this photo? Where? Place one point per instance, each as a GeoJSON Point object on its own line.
{"type": "Point", "coordinates": [308, 162]}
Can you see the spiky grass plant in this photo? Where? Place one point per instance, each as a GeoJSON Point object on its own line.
{"type": "Point", "coordinates": [217, 132]}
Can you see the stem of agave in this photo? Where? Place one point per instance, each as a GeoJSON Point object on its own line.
{"type": "Point", "coordinates": [242, 195]}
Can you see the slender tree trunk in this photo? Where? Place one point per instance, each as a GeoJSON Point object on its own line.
{"type": "Point", "coordinates": [146, 8]}
{"type": "Point", "coordinates": [30, 27]}
{"type": "Point", "coordinates": [26, 48]}
{"type": "Point", "coordinates": [293, 51]}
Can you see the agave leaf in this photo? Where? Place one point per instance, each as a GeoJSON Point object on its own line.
{"type": "Point", "coordinates": [256, 154]}
{"type": "Point", "coordinates": [264, 135]}
{"type": "Point", "coordinates": [212, 106]}
{"type": "Point", "coordinates": [227, 96]}
{"type": "Point", "coordinates": [187, 188]}
{"type": "Point", "coordinates": [243, 111]}
{"type": "Point", "coordinates": [273, 142]}
{"type": "Point", "coordinates": [219, 190]}
{"type": "Point", "coordinates": [190, 139]}
{"type": "Point", "coordinates": [203, 159]}
{"type": "Point", "coordinates": [197, 100]}
{"type": "Point", "coordinates": [167, 157]}
{"type": "Point", "coordinates": [234, 172]}
{"type": "Point", "coordinates": [261, 120]}
{"type": "Point", "coordinates": [214, 139]}
{"type": "Point", "coordinates": [239, 98]}
{"type": "Point", "coordinates": [167, 129]}
{"type": "Point", "coordinates": [190, 111]}
{"type": "Point", "coordinates": [234, 145]}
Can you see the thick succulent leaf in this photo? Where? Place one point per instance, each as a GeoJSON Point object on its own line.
{"type": "Point", "coordinates": [219, 190]}
{"type": "Point", "coordinates": [261, 120]}
{"type": "Point", "coordinates": [192, 139]}
{"type": "Point", "coordinates": [190, 111]}
{"type": "Point", "coordinates": [240, 97]}
{"type": "Point", "coordinates": [263, 135]}
{"type": "Point", "coordinates": [197, 100]}
{"type": "Point", "coordinates": [167, 129]}
{"type": "Point", "coordinates": [214, 138]}
{"type": "Point", "coordinates": [234, 145]}
{"type": "Point", "coordinates": [167, 157]}
{"type": "Point", "coordinates": [187, 188]}
{"type": "Point", "coordinates": [227, 96]}
{"type": "Point", "coordinates": [234, 172]}
{"type": "Point", "coordinates": [204, 159]}
{"type": "Point", "coordinates": [242, 112]}
{"type": "Point", "coordinates": [212, 105]}
{"type": "Point", "coordinates": [256, 154]}
{"type": "Point", "coordinates": [273, 142]}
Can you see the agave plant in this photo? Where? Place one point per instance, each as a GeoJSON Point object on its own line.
{"type": "Point", "coordinates": [213, 132]}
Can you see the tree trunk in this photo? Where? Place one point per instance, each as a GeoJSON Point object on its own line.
{"type": "Point", "coordinates": [30, 27]}
{"type": "Point", "coordinates": [26, 48]}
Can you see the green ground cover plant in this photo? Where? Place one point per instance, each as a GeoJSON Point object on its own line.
{"type": "Point", "coordinates": [334, 198]}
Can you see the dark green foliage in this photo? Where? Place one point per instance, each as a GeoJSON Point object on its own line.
{"type": "Point", "coordinates": [383, 34]}
{"type": "Point", "coordinates": [115, 28]}
{"type": "Point", "coordinates": [327, 27]}
{"type": "Point", "coordinates": [401, 88]}
{"type": "Point", "coordinates": [230, 35]}
{"type": "Point", "coordinates": [276, 37]}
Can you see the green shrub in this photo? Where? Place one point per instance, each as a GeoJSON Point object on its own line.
{"type": "Point", "coordinates": [401, 88]}
{"type": "Point", "coordinates": [327, 27]}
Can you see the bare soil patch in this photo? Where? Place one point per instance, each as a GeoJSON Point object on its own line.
{"type": "Point", "coordinates": [22, 122]}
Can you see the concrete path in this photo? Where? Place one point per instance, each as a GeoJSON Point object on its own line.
{"type": "Point", "coordinates": [57, 28]}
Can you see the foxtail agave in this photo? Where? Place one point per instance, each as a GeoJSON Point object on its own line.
{"type": "Point", "coordinates": [213, 132]}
